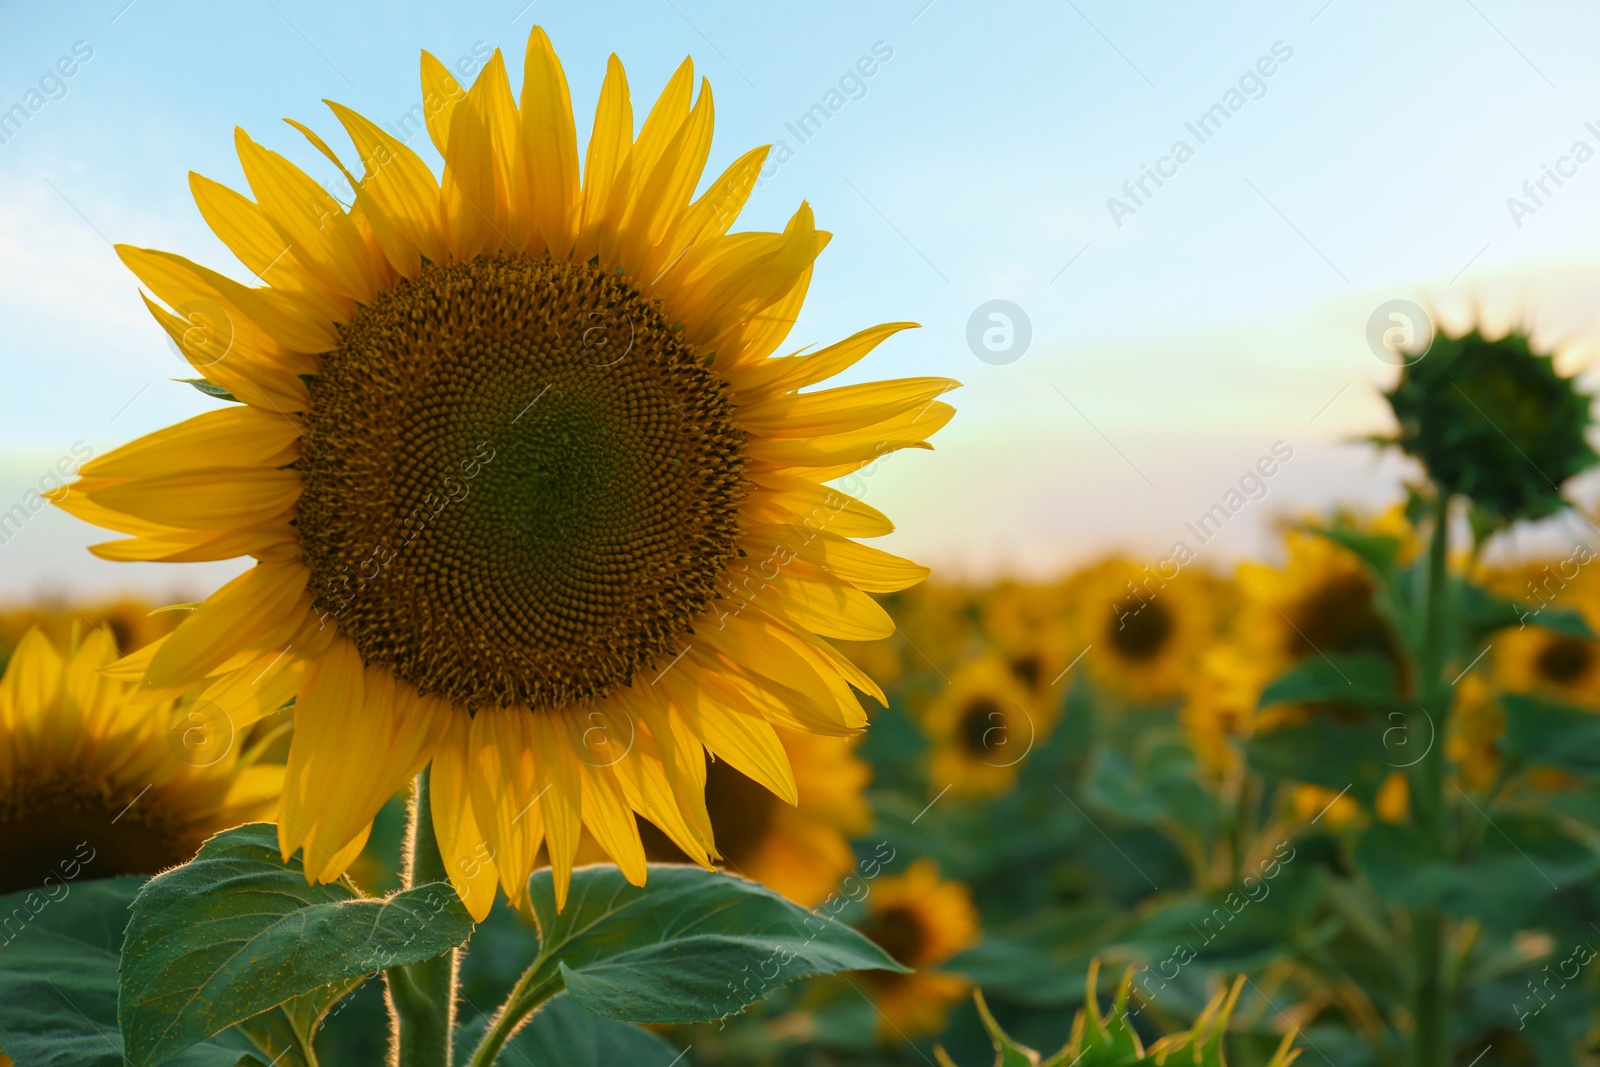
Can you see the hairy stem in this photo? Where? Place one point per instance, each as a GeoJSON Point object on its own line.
{"type": "Point", "coordinates": [422, 997]}
{"type": "Point", "coordinates": [536, 986]}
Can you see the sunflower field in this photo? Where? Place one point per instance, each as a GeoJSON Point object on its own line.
{"type": "Point", "coordinates": [560, 712]}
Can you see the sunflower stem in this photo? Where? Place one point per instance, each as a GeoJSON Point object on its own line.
{"type": "Point", "coordinates": [536, 986]}
{"type": "Point", "coordinates": [1431, 1037]}
{"type": "Point", "coordinates": [422, 997]}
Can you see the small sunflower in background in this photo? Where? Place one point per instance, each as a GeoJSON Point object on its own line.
{"type": "Point", "coordinates": [516, 463]}
{"type": "Point", "coordinates": [96, 782]}
{"type": "Point", "coordinates": [981, 726]}
{"type": "Point", "coordinates": [1476, 724]}
{"type": "Point", "coordinates": [1028, 626]}
{"type": "Point", "coordinates": [130, 623]}
{"type": "Point", "coordinates": [1532, 659]}
{"type": "Point", "coordinates": [921, 920]}
{"type": "Point", "coordinates": [1320, 602]}
{"type": "Point", "coordinates": [801, 851]}
{"type": "Point", "coordinates": [1144, 632]}
{"type": "Point", "coordinates": [1220, 707]}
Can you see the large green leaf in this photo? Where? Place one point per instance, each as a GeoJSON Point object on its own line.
{"type": "Point", "coordinates": [688, 946]}
{"type": "Point", "coordinates": [1547, 734]}
{"type": "Point", "coordinates": [58, 977]}
{"type": "Point", "coordinates": [236, 932]}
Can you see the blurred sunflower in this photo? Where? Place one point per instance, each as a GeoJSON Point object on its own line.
{"type": "Point", "coordinates": [1028, 625]}
{"type": "Point", "coordinates": [1320, 602]}
{"type": "Point", "coordinates": [1532, 659]}
{"type": "Point", "coordinates": [93, 780]}
{"type": "Point", "coordinates": [921, 920]}
{"type": "Point", "coordinates": [1219, 708]}
{"type": "Point", "coordinates": [515, 465]}
{"type": "Point", "coordinates": [1476, 724]}
{"type": "Point", "coordinates": [981, 726]}
{"type": "Point", "coordinates": [129, 623]}
{"type": "Point", "coordinates": [801, 851]}
{"type": "Point", "coordinates": [1144, 632]}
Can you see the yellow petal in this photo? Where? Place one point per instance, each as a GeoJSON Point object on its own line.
{"type": "Point", "coordinates": [610, 820]}
{"type": "Point", "coordinates": [180, 283]}
{"type": "Point", "coordinates": [864, 567]}
{"type": "Point", "coordinates": [399, 182]}
{"type": "Point", "coordinates": [504, 787]}
{"type": "Point", "coordinates": [441, 95]}
{"type": "Point", "coordinates": [306, 216]}
{"type": "Point", "coordinates": [230, 437]}
{"type": "Point", "coordinates": [789, 373]}
{"type": "Point", "coordinates": [233, 618]}
{"type": "Point", "coordinates": [609, 144]}
{"type": "Point", "coordinates": [215, 499]}
{"type": "Point", "coordinates": [561, 797]}
{"type": "Point", "coordinates": [550, 146]}
{"type": "Point", "coordinates": [463, 847]}
{"type": "Point", "coordinates": [908, 430]}
{"type": "Point", "coordinates": [802, 502]}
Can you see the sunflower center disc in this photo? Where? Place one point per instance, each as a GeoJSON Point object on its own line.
{"type": "Point", "coordinates": [520, 484]}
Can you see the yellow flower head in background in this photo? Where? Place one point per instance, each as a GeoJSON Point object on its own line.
{"type": "Point", "coordinates": [803, 850]}
{"type": "Point", "coordinates": [129, 623]}
{"type": "Point", "coordinates": [530, 498]}
{"type": "Point", "coordinates": [981, 727]}
{"type": "Point", "coordinates": [921, 920]}
{"type": "Point", "coordinates": [1321, 602]}
{"type": "Point", "coordinates": [1532, 659]}
{"type": "Point", "coordinates": [1220, 708]}
{"type": "Point", "coordinates": [1144, 631]}
{"type": "Point", "coordinates": [96, 782]}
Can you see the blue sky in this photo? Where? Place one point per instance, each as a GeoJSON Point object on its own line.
{"type": "Point", "coordinates": [1170, 347]}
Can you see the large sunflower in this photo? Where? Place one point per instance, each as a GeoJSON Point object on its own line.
{"type": "Point", "coordinates": [520, 473]}
{"type": "Point", "coordinates": [95, 782]}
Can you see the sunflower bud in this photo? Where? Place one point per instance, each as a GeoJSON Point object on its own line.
{"type": "Point", "coordinates": [1493, 421]}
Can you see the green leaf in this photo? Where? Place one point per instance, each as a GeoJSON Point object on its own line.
{"type": "Point", "coordinates": [690, 945]}
{"type": "Point", "coordinates": [1359, 678]}
{"type": "Point", "coordinates": [58, 977]}
{"type": "Point", "coordinates": [1378, 551]}
{"type": "Point", "coordinates": [1545, 733]}
{"type": "Point", "coordinates": [1522, 860]}
{"type": "Point", "coordinates": [236, 932]}
{"type": "Point", "coordinates": [565, 1034]}
{"type": "Point", "coordinates": [1483, 613]}
{"type": "Point", "coordinates": [210, 390]}
{"type": "Point", "coordinates": [1332, 754]}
